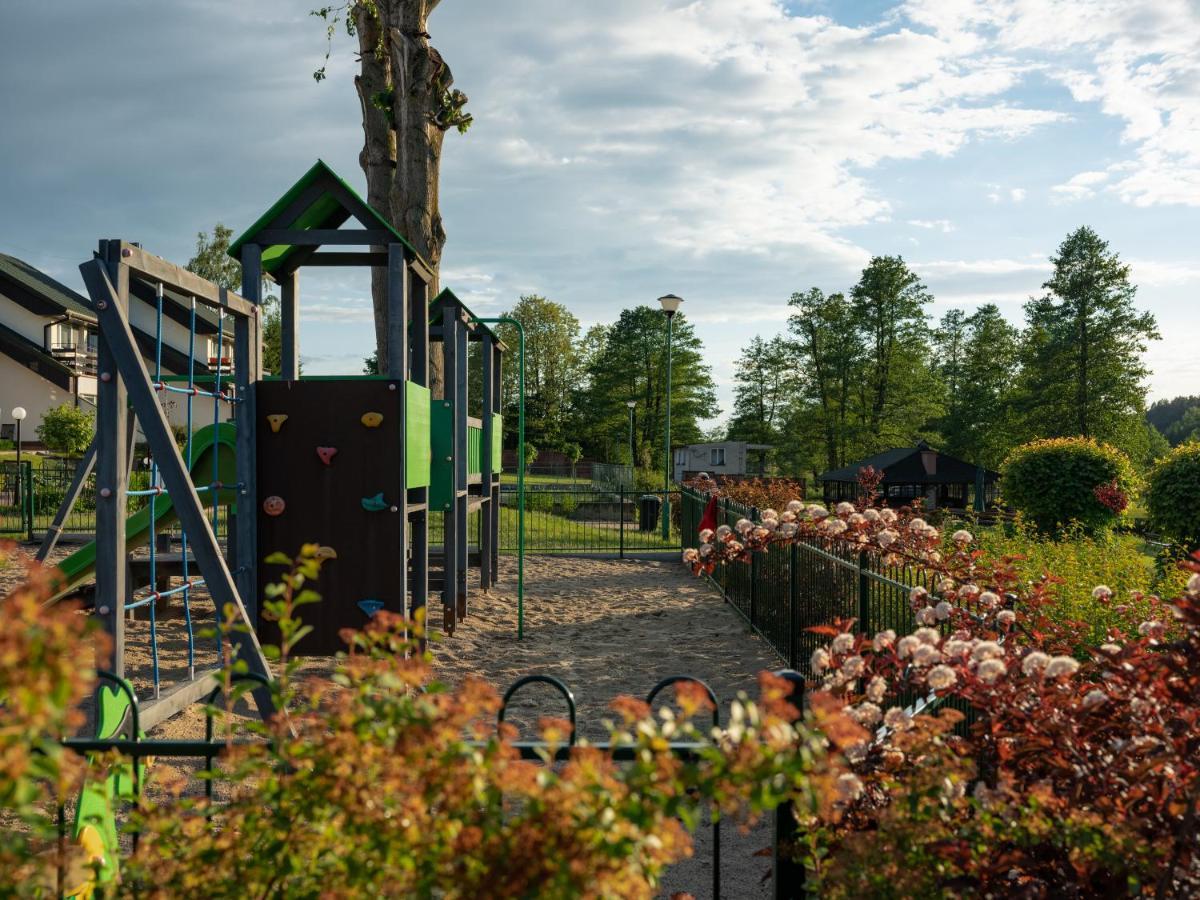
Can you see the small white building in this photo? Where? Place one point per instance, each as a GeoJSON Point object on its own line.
{"type": "Point", "coordinates": [48, 343]}
{"type": "Point", "coordinates": [720, 458]}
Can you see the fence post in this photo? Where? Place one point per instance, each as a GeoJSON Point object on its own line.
{"type": "Point", "coordinates": [787, 875]}
{"type": "Point", "coordinates": [621, 526]}
{"type": "Point", "coordinates": [754, 573]}
{"type": "Point", "coordinates": [864, 593]}
{"type": "Point", "coordinates": [793, 602]}
{"type": "Point", "coordinates": [27, 496]}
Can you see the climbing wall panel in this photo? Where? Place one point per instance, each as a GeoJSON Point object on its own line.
{"type": "Point", "coordinates": [329, 473]}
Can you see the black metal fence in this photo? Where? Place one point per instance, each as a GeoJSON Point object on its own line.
{"type": "Point", "coordinates": [618, 523]}
{"type": "Point", "coordinates": [788, 875]}
{"type": "Point", "coordinates": [16, 498]}
{"type": "Point", "coordinates": [789, 589]}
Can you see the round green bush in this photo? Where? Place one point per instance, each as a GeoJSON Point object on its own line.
{"type": "Point", "coordinates": [66, 429]}
{"type": "Point", "coordinates": [1053, 482]}
{"type": "Point", "coordinates": [1173, 496]}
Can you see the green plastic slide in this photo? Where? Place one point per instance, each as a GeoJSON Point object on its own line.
{"type": "Point", "coordinates": [80, 566]}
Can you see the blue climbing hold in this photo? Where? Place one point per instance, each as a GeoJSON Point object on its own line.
{"type": "Point", "coordinates": [370, 607]}
{"type": "Point", "coordinates": [375, 504]}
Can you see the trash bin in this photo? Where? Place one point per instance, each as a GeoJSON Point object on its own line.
{"type": "Point", "coordinates": [648, 508]}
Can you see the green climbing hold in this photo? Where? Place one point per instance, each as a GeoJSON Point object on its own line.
{"type": "Point", "coordinates": [376, 503]}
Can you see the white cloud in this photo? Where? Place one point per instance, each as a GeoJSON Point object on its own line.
{"type": "Point", "coordinates": [943, 225]}
{"type": "Point", "coordinates": [750, 130]}
{"type": "Point", "coordinates": [1079, 187]}
{"type": "Point", "coordinates": [1140, 62]}
{"type": "Point", "coordinates": [980, 266]}
{"type": "Point", "coordinates": [1016, 194]}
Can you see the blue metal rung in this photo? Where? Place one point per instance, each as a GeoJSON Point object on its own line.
{"type": "Point", "coordinates": [158, 595]}
{"type": "Point", "coordinates": [195, 392]}
{"type": "Point", "coordinates": [149, 492]}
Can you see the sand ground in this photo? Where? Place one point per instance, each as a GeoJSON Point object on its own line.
{"type": "Point", "coordinates": [603, 627]}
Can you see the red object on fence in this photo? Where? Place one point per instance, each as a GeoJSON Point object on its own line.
{"type": "Point", "coordinates": [709, 519]}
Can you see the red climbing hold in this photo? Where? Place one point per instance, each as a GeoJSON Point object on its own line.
{"type": "Point", "coordinates": [326, 454]}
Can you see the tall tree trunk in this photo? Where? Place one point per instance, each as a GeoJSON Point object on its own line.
{"type": "Point", "coordinates": [403, 87]}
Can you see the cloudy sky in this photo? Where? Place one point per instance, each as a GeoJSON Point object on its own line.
{"type": "Point", "coordinates": [730, 151]}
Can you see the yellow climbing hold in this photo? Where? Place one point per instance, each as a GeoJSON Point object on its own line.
{"type": "Point", "coordinates": [276, 421]}
{"type": "Point", "coordinates": [372, 419]}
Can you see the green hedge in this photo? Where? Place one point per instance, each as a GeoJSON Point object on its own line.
{"type": "Point", "coordinates": [1173, 496]}
{"type": "Point", "coordinates": [1052, 482]}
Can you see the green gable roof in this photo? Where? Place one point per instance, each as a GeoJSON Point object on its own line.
{"type": "Point", "coordinates": [447, 294]}
{"type": "Point", "coordinates": [326, 211]}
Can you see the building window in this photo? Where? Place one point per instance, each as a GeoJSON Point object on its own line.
{"type": "Point", "coordinates": [717, 456]}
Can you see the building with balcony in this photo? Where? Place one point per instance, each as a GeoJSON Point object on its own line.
{"type": "Point", "coordinates": [49, 339]}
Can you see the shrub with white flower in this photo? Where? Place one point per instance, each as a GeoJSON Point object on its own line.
{"type": "Point", "coordinates": [941, 677]}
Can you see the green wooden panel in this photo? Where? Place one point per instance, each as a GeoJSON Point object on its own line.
{"type": "Point", "coordinates": [497, 443]}
{"type": "Point", "coordinates": [474, 450]}
{"type": "Point", "coordinates": [418, 445]}
{"type": "Point", "coordinates": [441, 439]}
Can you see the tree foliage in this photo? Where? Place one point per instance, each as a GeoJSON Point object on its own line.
{"type": "Point", "coordinates": [764, 386]}
{"type": "Point", "coordinates": [552, 370]}
{"type": "Point", "coordinates": [1082, 370]}
{"type": "Point", "coordinates": [67, 429]}
{"type": "Point", "coordinates": [629, 363]}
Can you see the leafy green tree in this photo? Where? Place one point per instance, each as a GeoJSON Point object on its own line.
{"type": "Point", "coordinates": [631, 365]}
{"type": "Point", "coordinates": [898, 392]}
{"type": "Point", "coordinates": [66, 429]}
{"type": "Point", "coordinates": [765, 383]}
{"type": "Point", "coordinates": [212, 261]}
{"type": "Point", "coordinates": [822, 424]}
{"type": "Point", "coordinates": [978, 365]}
{"type": "Point", "coordinates": [1082, 368]}
{"type": "Point", "coordinates": [1178, 419]}
{"type": "Point", "coordinates": [552, 370]}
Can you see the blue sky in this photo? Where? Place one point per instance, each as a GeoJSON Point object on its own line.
{"type": "Point", "coordinates": [731, 151]}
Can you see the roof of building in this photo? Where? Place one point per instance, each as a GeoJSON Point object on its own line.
{"type": "Point", "coordinates": [34, 357]}
{"type": "Point", "coordinates": [38, 292]}
{"type": "Point", "coordinates": [906, 465]}
{"type": "Point", "coordinates": [331, 205]}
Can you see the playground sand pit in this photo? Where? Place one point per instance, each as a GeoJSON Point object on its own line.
{"type": "Point", "coordinates": [603, 627]}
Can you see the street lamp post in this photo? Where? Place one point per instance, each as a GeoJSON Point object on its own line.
{"type": "Point", "coordinates": [632, 454]}
{"type": "Point", "coordinates": [18, 415]}
{"type": "Point", "coordinates": [670, 305]}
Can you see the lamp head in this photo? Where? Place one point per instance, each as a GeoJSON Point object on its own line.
{"type": "Point", "coordinates": [631, 403]}
{"type": "Point", "coordinates": [670, 304]}
{"type": "Point", "coordinates": [18, 413]}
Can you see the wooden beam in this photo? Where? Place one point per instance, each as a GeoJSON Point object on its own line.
{"type": "Point", "coordinates": [347, 258]}
{"type": "Point", "coordinates": [485, 460]}
{"type": "Point", "coordinates": [461, 454]}
{"type": "Point", "coordinates": [397, 370]}
{"type": "Point", "coordinates": [112, 411]}
{"type": "Point", "coordinates": [114, 327]}
{"type": "Point", "coordinates": [54, 532]}
{"type": "Point", "coordinates": [177, 698]}
{"type": "Point", "coordinates": [289, 321]}
{"type": "Point", "coordinates": [156, 268]}
{"type": "Point", "coordinates": [247, 370]}
{"type": "Point", "coordinates": [319, 237]}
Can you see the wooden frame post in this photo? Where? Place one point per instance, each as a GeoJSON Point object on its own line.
{"type": "Point", "coordinates": [247, 370]}
{"type": "Point", "coordinates": [289, 322]}
{"type": "Point", "coordinates": [461, 456]}
{"type": "Point", "coordinates": [397, 370]}
{"type": "Point", "coordinates": [498, 404]}
{"type": "Point", "coordinates": [112, 468]}
{"type": "Point", "coordinates": [450, 530]}
{"type": "Point", "coordinates": [419, 338]}
{"type": "Point", "coordinates": [487, 348]}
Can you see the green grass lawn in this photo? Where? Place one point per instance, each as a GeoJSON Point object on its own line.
{"type": "Point", "coordinates": [552, 532]}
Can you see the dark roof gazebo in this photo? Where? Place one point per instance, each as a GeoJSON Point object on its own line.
{"type": "Point", "coordinates": [912, 472]}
